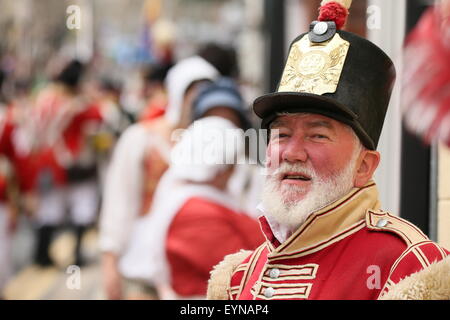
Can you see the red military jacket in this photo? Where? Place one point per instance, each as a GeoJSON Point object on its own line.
{"type": "Point", "coordinates": [348, 250]}
{"type": "Point", "coordinates": [201, 234]}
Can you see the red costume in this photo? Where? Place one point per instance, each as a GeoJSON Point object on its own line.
{"type": "Point", "coordinates": [348, 250]}
{"type": "Point", "coordinates": [51, 122]}
{"type": "Point", "coordinates": [200, 235]}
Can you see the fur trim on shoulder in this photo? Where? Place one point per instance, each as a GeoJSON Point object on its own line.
{"type": "Point", "coordinates": [432, 283]}
{"type": "Point", "coordinates": [219, 282]}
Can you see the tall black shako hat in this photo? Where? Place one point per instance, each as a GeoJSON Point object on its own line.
{"type": "Point", "coordinates": [336, 74]}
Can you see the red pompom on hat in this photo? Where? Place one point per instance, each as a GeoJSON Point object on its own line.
{"type": "Point", "coordinates": [336, 11]}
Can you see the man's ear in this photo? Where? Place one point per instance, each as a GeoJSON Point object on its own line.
{"type": "Point", "coordinates": [367, 166]}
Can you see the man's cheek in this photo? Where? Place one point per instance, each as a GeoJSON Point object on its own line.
{"type": "Point", "coordinates": [273, 155]}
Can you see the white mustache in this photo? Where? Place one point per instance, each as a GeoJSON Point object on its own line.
{"type": "Point", "coordinates": [285, 167]}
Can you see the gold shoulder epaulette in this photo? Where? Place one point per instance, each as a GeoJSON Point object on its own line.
{"type": "Point", "coordinates": [220, 276]}
{"type": "Point", "coordinates": [383, 221]}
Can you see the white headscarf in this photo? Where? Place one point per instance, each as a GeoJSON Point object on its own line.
{"type": "Point", "coordinates": [178, 80]}
{"type": "Point", "coordinates": [208, 146]}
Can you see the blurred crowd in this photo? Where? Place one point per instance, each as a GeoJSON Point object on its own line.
{"type": "Point", "coordinates": [71, 154]}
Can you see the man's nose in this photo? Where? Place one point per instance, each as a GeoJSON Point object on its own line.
{"type": "Point", "coordinates": [293, 151]}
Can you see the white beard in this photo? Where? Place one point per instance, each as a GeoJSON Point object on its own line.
{"type": "Point", "coordinates": [292, 213]}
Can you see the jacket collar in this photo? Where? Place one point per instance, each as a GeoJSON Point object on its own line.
{"type": "Point", "coordinates": [326, 222]}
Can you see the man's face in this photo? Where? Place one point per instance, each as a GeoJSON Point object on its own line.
{"type": "Point", "coordinates": [312, 161]}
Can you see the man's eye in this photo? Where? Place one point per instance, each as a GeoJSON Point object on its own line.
{"type": "Point", "coordinates": [319, 136]}
{"type": "Point", "coordinates": [280, 135]}
{"type": "Point", "coordinates": [276, 134]}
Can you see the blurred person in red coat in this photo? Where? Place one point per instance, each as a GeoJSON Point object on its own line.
{"type": "Point", "coordinates": [55, 158]}
{"type": "Point", "coordinates": [223, 98]}
{"type": "Point", "coordinates": [195, 221]}
{"type": "Point", "coordinates": [8, 194]}
{"type": "Point", "coordinates": [139, 160]}
{"type": "Point", "coordinates": [210, 223]}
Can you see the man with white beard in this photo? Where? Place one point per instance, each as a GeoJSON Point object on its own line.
{"type": "Point", "coordinates": [326, 235]}
{"type": "Point", "coordinates": [284, 207]}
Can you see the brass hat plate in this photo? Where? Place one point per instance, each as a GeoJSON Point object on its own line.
{"type": "Point", "coordinates": [314, 67]}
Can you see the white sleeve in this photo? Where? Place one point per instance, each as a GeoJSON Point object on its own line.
{"type": "Point", "coordinates": [122, 192]}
